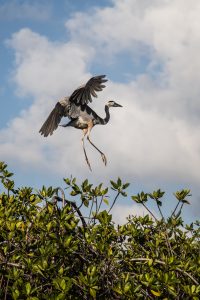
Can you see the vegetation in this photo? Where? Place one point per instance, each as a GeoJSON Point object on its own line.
{"type": "Point", "coordinates": [50, 250]}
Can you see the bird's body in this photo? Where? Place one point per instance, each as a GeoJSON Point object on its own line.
{"type": "Point", "coordinates": [80, 114]}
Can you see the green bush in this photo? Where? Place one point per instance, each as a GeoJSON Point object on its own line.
{"type": "Point", "coordinates": [50, 250]}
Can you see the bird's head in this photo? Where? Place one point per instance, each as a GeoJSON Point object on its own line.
{"type": "Point", "coordinates": [113, 104]}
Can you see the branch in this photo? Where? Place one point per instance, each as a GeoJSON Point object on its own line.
{"type": "Point", "coordinates": [11, 264]}
{"type": "Point", "coordinates": [73, 204]}
{"type": "Point", "coordinates": [63, 195]}
{"type": "Point", "coordinates": [149, 211]}
{"type": "Point", "coordinates": [114, 201]}
{"type": "Point", "coordinates": [173, 213]}
{"type": "Point", "coordinates": [163, 263]}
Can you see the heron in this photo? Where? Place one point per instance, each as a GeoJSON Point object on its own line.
{"type": "Point", "coordinates": [80, 114]}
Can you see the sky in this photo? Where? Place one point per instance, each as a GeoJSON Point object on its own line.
{"type": "Point", "coordinates": [149, 51]}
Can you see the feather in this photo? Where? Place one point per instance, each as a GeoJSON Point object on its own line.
{"type": "Point", "coordinates": [84, 94]}
{"type": "Point", "coordinates": [53, 120]}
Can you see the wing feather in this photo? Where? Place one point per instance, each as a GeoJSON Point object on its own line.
{"type": "Point", "coordinates": [53, 120]}
{"type": "Point", "coordinates": [73, 105]}
{"type": "Point", "coordinates": [83, 94]}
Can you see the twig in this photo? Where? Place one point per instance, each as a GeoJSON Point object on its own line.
{"type": "Point", "coordinates": [1, 280]}
{"type": "Point", "coordinates": [98, 208]}
{"type": "Point", "coordinates": [150, 212]}
{"type": "Point", "coordinates": [160, 211]}
{"type": "Point", "coordinates": [166, 233]}
{"type": "Point", "coordinates": [91, 209]}
{"type": "Point", "coordinates": [11, 264]}
{"type": "Point", "coordinates": [173, 213]}
{"type": "Point", "coordinates": [163, 263]}
{"type": "Point", "coordinates": [114, 201]}
{"type": "Point", "coordinates": [73, 204]}
{"type": "Point", "coordinates": [63, 195]}
{"type": "Point", "coordinates": [5, 296]}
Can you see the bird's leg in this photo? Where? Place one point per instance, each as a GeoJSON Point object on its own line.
{"type": "Point", "coordinates": [86, 158]}
{"type": "Point", "coordinates": [102, 154]}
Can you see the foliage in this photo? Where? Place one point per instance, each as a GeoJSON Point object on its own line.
{"type": "Point", "coordinates": [49, 250]}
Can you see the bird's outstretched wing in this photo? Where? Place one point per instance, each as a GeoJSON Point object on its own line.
{"type": "Point", "coordinates": [83, 94]}
{"type": "Point", "coordinates": [53, 120]}
{"type": "Point", "coordinates": [71, 106]}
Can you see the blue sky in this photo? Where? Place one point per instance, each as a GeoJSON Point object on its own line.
{"type": "Point", "coordinates": [149, 52]}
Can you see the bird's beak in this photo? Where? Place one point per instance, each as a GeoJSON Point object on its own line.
{"type": "Point", "coordinates": [117, 105]}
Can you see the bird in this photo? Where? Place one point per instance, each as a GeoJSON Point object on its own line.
{"type": "Point", "coordinates": [80, 114]}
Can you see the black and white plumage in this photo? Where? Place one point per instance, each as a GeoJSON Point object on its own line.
{"type": "Point", "coordinates": [80, 114]}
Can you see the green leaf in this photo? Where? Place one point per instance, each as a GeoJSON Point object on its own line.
{"type": "Point", "coordinates": [93, 292]}
{"type": "Point", "coordinates": [125, 186]}
{"type": "Point", "coordinates": [28, 288]}
{"type": "Point", "coordinates": [67, 181]}
{"type": "Point", "coordinates": [106, 201]}
{"type": "Point", "coordinates": [15, 294]}
{"type": "Point", "coordinates": [114, 185]}
{"type": "Point", "coordinates": [119, 182]}
{"type": "Point", "coordinates": [63, 284]}
{"type": "Point", "coordinates": [127, 287]}
{"type": "Point", "coordinates": [157, 294]}
{"type": "Point", "coordinates": [193, 288]}
{"type": "Point", "coordinates": [150, 262]}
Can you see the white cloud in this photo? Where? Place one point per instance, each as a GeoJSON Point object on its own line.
{"type": "Point", "coordinates": [155, 136]}
{"type": "Point", "coordinates": [24, 10]}
{"type": "Point", "coordinates": [168, 32]}
{"type": "Point", "coordinates": [45, 68]}
{"type": "Point", "coordinates": [121, 212]}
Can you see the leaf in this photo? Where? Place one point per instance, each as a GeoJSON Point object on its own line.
{"type": "Point", "coordinates": [125, 186]}
{"type": "Point", "coordinates": [60, 271]}
{"type": "Point", "coordinates": [67, 181]}
{"type": "Point", "coordinates": [119, 182]}
{"type": "Point", "coordinates": [106, 201]}
{"type": "Point", "coordinates": [185, 201]}
{"type": "Point", "coordinates": [28, 288]}
{"type": "Point", "coordinates": [193, 288]}
{"type": "Point", "coordinates": [63, 284]}
{"type": "Point", "coordinates": [157, 294]}
{"type": "Point", "coordinates": [93, 292]}
{"type": "Point", "coordinates": [127, 287]}
{"type": "Point", "coordinates": [150, 262]}
{"type": "Point", "coordinates": [15, 294]}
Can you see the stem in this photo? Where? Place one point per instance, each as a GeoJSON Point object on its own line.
{"type": "Point", "coordinates": [63, 195]}
{"type": "Point", "coordinates": [11, 264]}
{"type": "Point", "coordinates": [160, 211]}
{"type": "Point", "coordinates": [166, 234]}
{"type": "Point", "coordinates": [175, 209]}
{"type": "Point", "coordinates": [100, 204]}
{"type": "Point", "coordinates": [114, 201]}
{"type": "Point", "coordinates": [163, 263]}
{"type": "Point", "coordinates": [150, 211]}
{"type": "Point", "coordinates": [5, 296]}
{"type": "Point", "coordinates": [1, 280]}
{"type": "Point", "coordinates": [91, 209]}
{"type": "Point", "coordinates": [73, 204]}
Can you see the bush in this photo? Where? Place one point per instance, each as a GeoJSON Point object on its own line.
{"type": "Point", "coordinates": [50, 250]}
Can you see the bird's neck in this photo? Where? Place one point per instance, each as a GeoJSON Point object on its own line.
{"type": "Point", "coordinates": [107, 118]}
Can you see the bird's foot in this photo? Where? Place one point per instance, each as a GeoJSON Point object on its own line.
{"type": "Point", "coordinates": [104, 159]}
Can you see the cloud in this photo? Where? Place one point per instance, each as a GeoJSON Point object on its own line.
{"type": "Point", "coordinates": [121, 212]}
{"type": "Point", "coordinates": [45, 71]}
{"type": "Point", "coordinates": [24, 10]}
{"type": "Point", "coordinates": [166, 32]}
{"type": "Point", "coordinates": [45, 68]}
{"type": "Point", "coordinates": [155, 136]}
